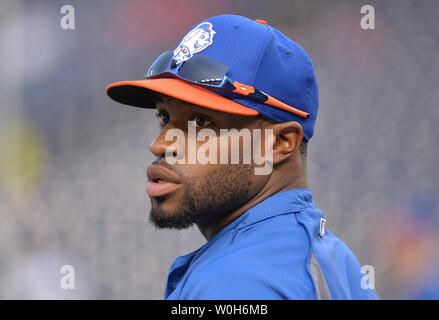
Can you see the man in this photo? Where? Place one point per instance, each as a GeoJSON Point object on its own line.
{"type": "Point", "coordinates": [266, 238]}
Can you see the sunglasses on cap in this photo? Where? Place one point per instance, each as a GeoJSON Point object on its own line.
{"type": "Point", "coordinates": [205, 71]}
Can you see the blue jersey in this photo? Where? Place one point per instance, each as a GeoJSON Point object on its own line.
{"type": "Point", "coordinates": [279, 249]}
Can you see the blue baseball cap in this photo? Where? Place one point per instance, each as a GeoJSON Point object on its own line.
{"type": "Point", "coordinates": [257, 55]}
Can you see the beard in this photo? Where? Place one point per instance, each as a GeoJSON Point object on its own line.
{"type": "Point", "coordinates": [206, 199]}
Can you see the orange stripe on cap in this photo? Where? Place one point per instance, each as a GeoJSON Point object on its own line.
{"type": "Point", "coordinates": [261, 21]}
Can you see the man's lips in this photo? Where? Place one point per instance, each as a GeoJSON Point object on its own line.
{"type": "Point", "coordinates": [161, 181]}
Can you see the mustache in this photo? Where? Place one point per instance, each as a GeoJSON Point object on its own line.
{"type": "Point", "coordinates": [162, 162]}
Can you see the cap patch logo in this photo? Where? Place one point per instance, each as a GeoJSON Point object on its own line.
{"type": "Point", "coordinates": [195, 41]}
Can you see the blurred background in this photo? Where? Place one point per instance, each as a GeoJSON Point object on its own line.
{"type": "Point", "coordinates": [72, 161]}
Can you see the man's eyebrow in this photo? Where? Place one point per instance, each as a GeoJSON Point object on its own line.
{"type": "Point", "coordinates": [159, 105]}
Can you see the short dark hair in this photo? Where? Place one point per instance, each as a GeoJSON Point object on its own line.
{"type": "Point", "coordinates": [303, 149]}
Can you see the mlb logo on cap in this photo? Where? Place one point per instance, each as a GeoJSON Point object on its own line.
{"type": "Point", "coordinates": [195, 41]}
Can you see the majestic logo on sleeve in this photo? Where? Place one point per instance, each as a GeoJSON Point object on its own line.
{"type": "Point", "coordinates": [195, 41]}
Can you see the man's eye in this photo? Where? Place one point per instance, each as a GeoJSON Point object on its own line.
{"type": "Point", "coordinates": [200, 122]}
{"type": "Point", "coordinates": [164, 118]}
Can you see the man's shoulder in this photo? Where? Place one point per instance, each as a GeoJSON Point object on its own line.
{"type": "Point", "coordinates": [250, 278]}
{"type": "Point", "coordinates": [264, 260]}
{"type": "Point", "coordinates": [280, 237]}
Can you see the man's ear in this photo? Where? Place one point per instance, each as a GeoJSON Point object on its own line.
{"type": "Point", "coordinates": [287, 138]}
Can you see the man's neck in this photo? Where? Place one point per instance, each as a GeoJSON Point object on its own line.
{"type": "Point", "coordinates": [300, 182]}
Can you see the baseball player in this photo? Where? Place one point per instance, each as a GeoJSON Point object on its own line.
{"type": "Point", "coordinates": [265, 237]}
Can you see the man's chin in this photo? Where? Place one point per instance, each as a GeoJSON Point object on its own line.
{"type": "Point", "coordinates": [164, 220]}
{"type": "Point", "coordinates": [170, 216]}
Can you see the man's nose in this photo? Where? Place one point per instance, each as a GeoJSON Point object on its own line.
{"type": "Point", "coordinates": [159, 147]}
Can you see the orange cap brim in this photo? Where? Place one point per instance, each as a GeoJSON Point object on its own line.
{"type": "Point", "coordinates": [143, 94]}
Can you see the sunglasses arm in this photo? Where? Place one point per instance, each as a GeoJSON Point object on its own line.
{"type": "Point", "coordinates": [262, 97]}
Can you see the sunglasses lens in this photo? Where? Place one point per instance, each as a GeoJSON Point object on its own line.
{"type": "Point", "coordinates": [160, 64]}
{"type": "Point", "coordinates": [204, 70]}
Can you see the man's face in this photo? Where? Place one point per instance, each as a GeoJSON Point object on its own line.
{"type": "Point", "coordinates": [183, 194]}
